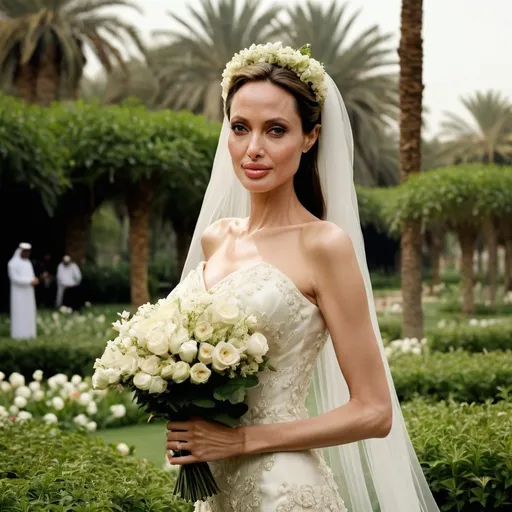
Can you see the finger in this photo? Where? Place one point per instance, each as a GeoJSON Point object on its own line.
{"type": "Point", "coordinates": [178, 425]}
{"type": "Point", "coordinates": [178, 436]}
{"type": "Point", "coordinates": [173, 445]}
{"type": "Point", "coordinates": [182, 461]}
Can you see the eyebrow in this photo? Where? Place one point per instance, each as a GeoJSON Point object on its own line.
{"type": "Point", "coordinates": [274, 120]}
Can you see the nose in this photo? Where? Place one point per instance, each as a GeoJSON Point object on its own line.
{"type": "Point", "coordinates": [255, 148]}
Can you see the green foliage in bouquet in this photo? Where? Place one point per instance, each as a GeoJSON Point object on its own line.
{"type": "Point", "coordinates": [461, 376]}
{"type": "Point", "coordinates": [465, 452]}
{"type": "Point", "coordinates": [42, 468]}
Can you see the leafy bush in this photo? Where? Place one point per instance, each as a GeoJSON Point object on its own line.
{"type": "Point", "coordinates": [42, 468]}
{"type": "Point", "coordinates": [465, 452]}
{"type": "Point", "coordinates": [390, 327]}
{"type": "Point", "coordinates": [461, 376]}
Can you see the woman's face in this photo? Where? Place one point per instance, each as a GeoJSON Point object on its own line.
{"type": "Point", "coordinates": [266, 141]}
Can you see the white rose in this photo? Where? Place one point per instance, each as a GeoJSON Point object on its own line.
{"type": "Point", "coordinates": [38, 375]}
{"type": "Point", "coordinates": [76, 379]}
{"type": "Point", "coordinates": [2, 376]}
{"type": "Point", "coordinates": [226, 312]}
{"type": "Point", "coordinates": [252, 321]}
{"type": "Point", "coordinates": [13, 410]}
{"type": "Point", "coordinates": [34, 385]}
{"type": "Point", "coordinates": [83, 386]}
{"type": "Point", "coordinates": [203, 331]}
{"type": "Point", "coordinates": [142, 381]}
{"type": "Point", "coordinates": [24, 416]}
{"type": "Point", "coordinates": [20, 402]}
{"type": "Point", "coordinates": [100, 379]}
{"type": "Point", "coordinates": [57, 403]}
{"type": "Point", "coordinates": [50, 419]}
{"type": "Point", "coordinates": [123, 449]}
{"type": "Point", "coordinates": [188, 351]}
{"type": "Point", "coordinates": [5, 387]}
{"type": "Point", "coordinates": [60, 378]}
{"type": "Point", "coordinates": [199, 373]}
{"type": "Point", "coordinates": [118, 410]}
{"type": "Point", "coordinates": [177, 339]}
{"type": "Point", "coordinates": [206, 353]}
{"type": "Point", "coordinates": [150, 365]}
{"type": "Point", "coordinates": [239, 343]}
{"type": "Point", "coordinates": [16, 380]}
{"type": "Point", "coordinates": [81, 420]}
{"type": "Point", "coordinates": [23, 391]}
{"type": "Point", "coordinates": [166, 372]}
{"type": "Point", "coordinates": [224, 356]}
{"type": "Point", "coordinates": [257, 346]}
{"type": "Point", "coordinates": [128, 364]}
{"type": "Point", "coordinates": [84, 398]}
{"type": "Point", "coordinates": [124, 315]}
{"type": "Point", "coordinates": [38, 395]}
{"type": "Point", "coordinates": [91, 426]}
{"type": "Point", "coordinates": [92, 408]}
{"type": "Point", "coordinates": [158, 342]}
{"type": "Point", "coordinates": [181, 372]}
{"type": "Point", "coordinates": [157, 385]}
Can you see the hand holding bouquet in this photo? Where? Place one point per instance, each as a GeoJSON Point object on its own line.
{"type": "Point", "coordinates": [194, 356]}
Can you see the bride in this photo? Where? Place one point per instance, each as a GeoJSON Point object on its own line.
{"type": "Point", "coordinates": [279, 230]}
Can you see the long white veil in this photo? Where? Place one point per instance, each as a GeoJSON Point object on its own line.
{"type": "Point", "coordinates": [376, 474]}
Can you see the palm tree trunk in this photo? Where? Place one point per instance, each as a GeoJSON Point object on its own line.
{"type": "Point", "coordinates": [411, 94]}
{"type": "Point", "coordinates": [139, 199]}
{"type": "Point", "coordinates": [435, 252]}
{"type": "Point", "coordinates": [467, 240]}
{"type": "Point", "coordinates": [491, 238]}
{"type": "Point", "coordinates": [25, 82]}
{"type": "Point", "coordinates": [78, 225]}
{"type": "Point", "coordinates": [48, 78]}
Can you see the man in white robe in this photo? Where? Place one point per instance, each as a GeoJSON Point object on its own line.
{"type": "Point", "coordinates": [68, 278]}
{"type": "Point", "coordinates": [23, 297]}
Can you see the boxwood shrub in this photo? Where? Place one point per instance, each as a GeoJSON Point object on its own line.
{"type": "Point", "coordinates": [462, 376]}
{"type": "Point", "coordinates": [42, 468]}
{"type": "Point", "coordinates": [465, 452]}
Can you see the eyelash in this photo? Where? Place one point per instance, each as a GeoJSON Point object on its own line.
{"type": "Point", "coordinates": [235, 126]}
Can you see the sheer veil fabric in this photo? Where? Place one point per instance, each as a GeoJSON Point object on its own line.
{"type": "Point", "coordinates": [375, 474]}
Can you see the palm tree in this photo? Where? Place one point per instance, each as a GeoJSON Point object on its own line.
{"type": "Point", "coordinates": [192, 63]}
{"type": "Point", "coordinates": [487, 137]}
{"type": "Point", "coordinates": [361, 69]}
{"type": "Point", "coordinates": [42, 44]}
{"type": "Point", "coordinates": [411, 95]}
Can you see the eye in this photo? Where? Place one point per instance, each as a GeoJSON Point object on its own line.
{"type": "Point", "coordinates": [277, 130]}
{"type": "Point", "coordinates": [238, 128]}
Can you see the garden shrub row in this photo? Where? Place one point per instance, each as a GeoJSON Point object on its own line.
{"type": "Point", "coordinates": [42, 468]}
{"type": "Point", "coordinates": [461, 376]}
{"type": "Point", "coordinates": [465, 452]}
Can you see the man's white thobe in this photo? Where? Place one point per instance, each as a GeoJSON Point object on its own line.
{"type": "Point", "coordinates": [23, 297]}
{"type": "Point", "coordinates": [67, 276]}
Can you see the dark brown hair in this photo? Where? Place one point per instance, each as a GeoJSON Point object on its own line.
{"type": "Point", "coordinates": [306, 180]}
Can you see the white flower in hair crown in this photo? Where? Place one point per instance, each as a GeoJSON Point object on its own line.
{"type": "Point", "coordinates": [309, 70]}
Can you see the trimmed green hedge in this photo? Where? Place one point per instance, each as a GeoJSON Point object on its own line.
{"type": "Point", "coordinates": [465, 452]}
{"type": "Point", "coordinates": [42, 468]}
{"type": "Point", "coordinates": [459, 375]}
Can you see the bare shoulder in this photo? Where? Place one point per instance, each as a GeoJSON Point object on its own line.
{"type": "Point", "coordinates": [215, 233]}
{"type": "Point", "coordinates": [325, 243]}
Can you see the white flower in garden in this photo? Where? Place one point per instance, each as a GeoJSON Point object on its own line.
{"type": "Point", "coordinates": [206, 353]}
{"type": "Point", "coordinates": [24, 416]}
{"type": "Point", "coordinates": [23, 391]}
{"type": "Point", "coordinates": [150, 365]}
{"type": "Point", "coordinates": [423, 341]}
{"type": "Point", "coordinates": [20, 402]}
{"type": "Point", "coordinates": [38, 375]}
{"type": "Point", "coordinates": [396, 308]}
{"type": "Point", "coordinates": [226, 311]}
{"type": "Point", "coordinates": [118, 410]}
{"type": "Point", "coordinates": [177, 339]}
{"type": "Point", "coordinates": [34, 385]}
{"type": "Point", "coordinates": [16, 380]}
{"type": "Point", "coordinates": [13, 410]}
{"type": "Point", "coordinates": [68, 389]}
{"type": "Point", "coordinates": [5, 387]}
{"type": "Point", "coordinates": [142, 381]}
{"type": "Point", "coordinates": [50, 419]}
{"type": "Point", "coordinates": [38, 395]}
{"type": "Point", "coordinates": [181, 372]}
{"type": "Point", "coordinates": [123, 449]}
{"type": "Point", "coordinates": [81, 420]}
{"type": "Point", "coordinates": [388, 351]}
{"type": "Point", "coordinates": [257, 346]}
{"type": "Point", "coordinates": [87, 304]}
{"type": "Point", "coordinates": [483, 323]}
{"type": "Point", "coordinates": [157, 385]}
{"type": "Point", "coordinates": [92, 408]}
{"type": "Point", "coordinates": [2, 376]}
{"type": "Point", "coordinates": [416, 350]}
{"type": "Point", "coordinates": [60, 378]}
{"type": "Point", "coordinates": [188, 351]}
{"type": "Point", "coordinates": [83, 386]}
{"type": "Point", "coordinates": [199, 373]}
{"type": "Point", "coordinates": [441, 324]}
{"type": "Point", "coordinates": [85, 399]}
{"type": "Point", "coordinates": [224, 356]}
{"type": "Point", "coordinates": [3, 412]}
{"type": "Point", "coordinates": [100, 319]}
{"type": "Point", "coordinates": [76, 379]}
{"type": "Point", "coordinates": [166, 372]}
{"type": "Point", "coordinates": [203, 331]}
{"type": "Point", "coordinates": [57, 403]}
{"type": "Point", "coordinates": [91, 426]}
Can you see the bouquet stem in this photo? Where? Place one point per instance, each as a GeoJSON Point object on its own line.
{"type": "Point", "coordinates": [195, 482]}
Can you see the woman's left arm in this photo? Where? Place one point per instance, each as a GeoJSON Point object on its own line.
{"type": "Point", "coordinates": [341, 296]}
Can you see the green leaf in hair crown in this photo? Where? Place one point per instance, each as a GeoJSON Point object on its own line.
{"type": "Point", "coordinates": [305, 49]}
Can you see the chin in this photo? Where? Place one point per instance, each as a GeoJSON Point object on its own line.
{"type": "Point", "coordinates": [265, 184]}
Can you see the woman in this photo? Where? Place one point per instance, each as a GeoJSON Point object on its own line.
{"type": "Point", "coordinates": [296, 260]}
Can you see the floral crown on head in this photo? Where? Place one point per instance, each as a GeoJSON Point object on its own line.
{"type": "Point", "coordinates": [309, 70]}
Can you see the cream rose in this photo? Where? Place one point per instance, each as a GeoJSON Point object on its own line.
{"type": "Point", "coordinates": [100, 379]}
{"type": "Point", "coordinates": [257, 346]}
{"type": "Point", "coordinates": [181, 372]}
{"type": "Point", "coordinates": [177, 339]}
{"type": "Point", "coordinates": [206, 353]}
{"type": "Point", "coordinates": [199, 373]}
{"type": "Point", "coordinates": [166, 372]}
{"type": "Point", "coordinates": [203, 331]}
{"type": "Point", "coordinates": [158, 342]}
{"type": "Point", "coordinates": [157, 385]}
{"type": "Point", "coordinates": [142, 381]}
{"type": "Point", "coordinates": [224, 356]}
{"type": "Point", "coordinates": [150, 365]}
{"type": "Point", "coordinates": [188, 351]}
{"type": "Point", "coordinates": [239, 343]}
{"type": "Point", "coordinates": [226, 311]}
{"type": "Point", "coordinates": [128, 364]}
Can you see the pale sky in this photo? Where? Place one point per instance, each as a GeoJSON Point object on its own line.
{"type": "Point", "coordinates": [467, 43]}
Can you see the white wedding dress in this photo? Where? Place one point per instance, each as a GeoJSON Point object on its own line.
{"type": "Point", "coordinates": [296, 331]}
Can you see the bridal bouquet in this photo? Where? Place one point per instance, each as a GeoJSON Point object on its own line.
{"type": "Point", "coordinates": [185, 357]}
